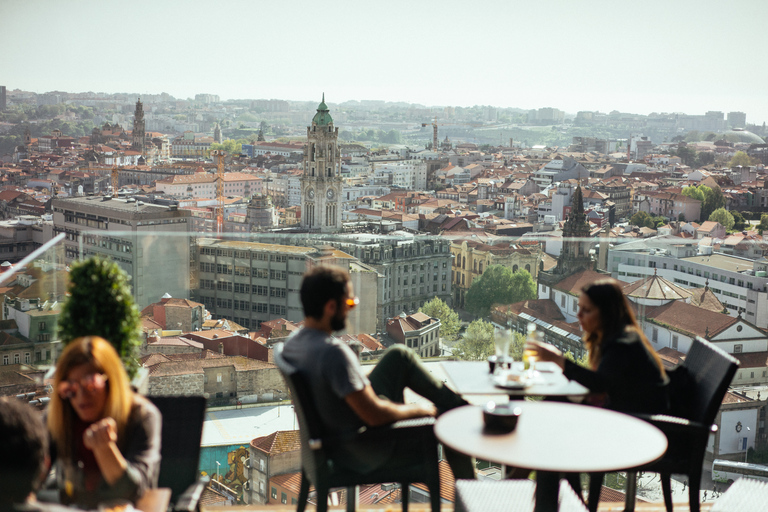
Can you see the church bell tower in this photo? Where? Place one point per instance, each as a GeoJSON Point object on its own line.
{"type": "Point", "coordinates": [138, 128]}
{"type": "Point", "coordinates": [321, 181]}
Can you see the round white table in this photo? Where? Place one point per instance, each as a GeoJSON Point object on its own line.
{"type": "Point", "coordinates": [556, 437]}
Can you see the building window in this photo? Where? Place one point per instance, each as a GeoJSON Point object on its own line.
{"type": "Point", "coordinates": [26, 358]}
{"type": "Point", "coordinates": [674, 342]}
{"type": "Point", "coordinates": [737, 348]}
{"type": "Point", "coordinates": [655, 335]}
{"type": "Point", "coordinates": [274, 493]}
{"type": "Point", "coordinates": [283, 498]}
{"type": "Point", "coordinates": [5, 359]}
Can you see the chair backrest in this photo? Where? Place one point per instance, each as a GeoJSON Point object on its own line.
{"type": "Point", "coordinates": [182, 432]}
{"type": "Point", "coordinates": [310, 425]}
{"type": "Point", "coordinates": [709, 371]}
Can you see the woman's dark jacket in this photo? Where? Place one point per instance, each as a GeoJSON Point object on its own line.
{"type": "Point", "coordinates": [627, 373]}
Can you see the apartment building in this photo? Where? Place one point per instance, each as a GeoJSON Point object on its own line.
{"type": "Point", "coordinates": [471, 258]}
{"type": "Point", "coordinates": [417, 331]}
{"type": "Point", "coordinates": [250, 283]}
{"type": "Point", "coordinates": [148, 241]}
{"type": "Point", "coordinates": [204, 185]}
{"type": "Point", "coordinates": [739, 283]}
{"type": "Point", "coordinates": [409, 269]}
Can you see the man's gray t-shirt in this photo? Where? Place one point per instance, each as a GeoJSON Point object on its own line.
{"type": "Point", "coordinates": [333, 372]}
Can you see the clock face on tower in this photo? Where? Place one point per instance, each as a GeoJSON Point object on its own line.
{"type": "Point", "coordinates": [330, 194]}
{"type": "Point", "coordinates": [311, 193]}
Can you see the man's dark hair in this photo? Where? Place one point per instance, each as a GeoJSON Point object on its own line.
{"type": "Point", "coordinates": [23, 450]}
{"type": "Point", "coordinates": [320, 285]}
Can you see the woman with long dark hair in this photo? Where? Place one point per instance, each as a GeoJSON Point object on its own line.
{"type": "Point", "coordinates": [106, 437]}
{"type": "Point", "coordinates": [625, 373]}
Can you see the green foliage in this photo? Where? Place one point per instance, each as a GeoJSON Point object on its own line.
{"type": "Point", "coordinates": [740, 222]}
{"type": "Point", "coordinates": [724, 217]}
{"type": "Point", "coordinates": [449, 319]}
{"type": "Point", "coordinates": [741, 158]}
{"type": "Point", "coordinates": [477, 343]}
{"type": "Point", "coordinates": [499, 285]}
{"type": "Point", "coordinates": [763, 223]}
{"type": "Point", "coordinates": [101, 304]}
{"type": "Point", "coordinates": [714, 200]}
{"type": "Point", "coordinates": [582, 361]}
{"type": "Point", "coordinates": [232, 147]}
{"type": "Point", "coordinates": [643, 219]}
{"type": "Point", "coordinates": [694, 193]}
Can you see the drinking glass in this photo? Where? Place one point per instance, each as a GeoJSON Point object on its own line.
{"type": "Point", "coordinates": [69, 480]}
{"type": "Point", "coordinates": [501, 342]}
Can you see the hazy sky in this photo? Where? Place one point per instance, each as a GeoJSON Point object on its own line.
{"type": "Point", "coordinates": [640, 57]}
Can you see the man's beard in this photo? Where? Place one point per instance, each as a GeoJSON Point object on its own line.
{"type": "Point", "coordinates": [338, 322]}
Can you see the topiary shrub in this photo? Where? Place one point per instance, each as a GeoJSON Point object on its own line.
{"type": "Point", "coordinates": [101, 304]}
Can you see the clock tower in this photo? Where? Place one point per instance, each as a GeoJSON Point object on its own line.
{"type": "Point", "coordinates": [321, 181]}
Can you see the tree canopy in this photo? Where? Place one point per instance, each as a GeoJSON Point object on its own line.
{"type": "Point", "coordinates": [740, 158]}
{"type": "Point", "coordinates": [101, 304]}
{"type": "Point", "coordinates": [449, 319]}
{"type": "Point", "coordinates": [477, 343]}
{"type": "Point", "coordinates": [724, 217]}
{"type": "Point", "coordinates": [763, 226]}
{"type": "Point", "coordinates": [499, 285]}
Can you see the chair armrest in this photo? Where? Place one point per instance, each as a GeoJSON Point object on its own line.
{"type": "Point", "coordinates": [382, 432]}
{"type": "Point", "coordinates": [189, 499]}
{"type": "Point", "coordinates": [674, 425]}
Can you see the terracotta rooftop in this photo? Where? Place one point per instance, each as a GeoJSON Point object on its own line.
{"type": "Point", "coordinates": [574, 283]}
{"type": "Point", "coordinates": [281, 441]}
{"type": "Point", "coordinates": [689, 319]}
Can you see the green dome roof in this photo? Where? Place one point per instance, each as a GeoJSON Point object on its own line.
{"type": "Point", "coordinates": [742, 136]}
{"type": "Point", "coordinates": [322, 118]}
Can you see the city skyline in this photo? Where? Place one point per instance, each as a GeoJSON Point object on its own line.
{"type": "Point", "coordinates": [658, 57]}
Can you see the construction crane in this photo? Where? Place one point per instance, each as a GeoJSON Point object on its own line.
{"type": "Point", "coordinates": [219, 208]}
{"type": "Point", "coordinates": [114, 178]}
{"type": "Point", "coordinates": [434, 133]}
{"type": "Point", "coordinates": [435, 125]}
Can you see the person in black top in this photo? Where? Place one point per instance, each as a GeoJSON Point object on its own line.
{"type": "Point", "coordinates": [23, 458]}
{"type": "Point", "coordinates": [625, 373]}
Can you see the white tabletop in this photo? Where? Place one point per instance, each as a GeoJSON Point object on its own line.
{"type": "Point", "coordinates": [473, 378]}
{"type": "Point", "coordinates": [556, 436]}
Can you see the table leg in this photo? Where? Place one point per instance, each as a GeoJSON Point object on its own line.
{"type": "Point", "coordinates": [547, 488]}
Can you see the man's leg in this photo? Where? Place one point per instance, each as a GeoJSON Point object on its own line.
{"type": "Point", "coordinates": [401, 368]}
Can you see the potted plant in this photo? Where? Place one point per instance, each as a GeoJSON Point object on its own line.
{"type": "Point", "coordinates": [100, 303]}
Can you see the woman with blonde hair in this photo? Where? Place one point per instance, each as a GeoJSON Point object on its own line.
{"type": "Point", "coordinates": [106, 437]}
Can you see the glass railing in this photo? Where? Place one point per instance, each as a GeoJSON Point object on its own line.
{"type": "Point", "coordinates": [233, 297]}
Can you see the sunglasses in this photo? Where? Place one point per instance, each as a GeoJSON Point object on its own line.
{"type": "Point", "coordinates": [351, 303]}
{"type": "Point", "coordinates": [95, 381]}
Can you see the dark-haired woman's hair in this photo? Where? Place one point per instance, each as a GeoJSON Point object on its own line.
{"type": "Point", "coordinates": [321, 284]}
{"type": "Point", "coordinates": [616, 317]}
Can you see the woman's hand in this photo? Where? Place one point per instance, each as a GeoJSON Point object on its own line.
{"type": "Point", "coordinates": [546, 352]}
{"type": "Point", "coordinates": [100, 434]}
{"type": "Point", "coordinates": [101, 438]}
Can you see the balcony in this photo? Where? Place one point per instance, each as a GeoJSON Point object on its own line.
{"type": "Point", "coordinates": [242, 283]}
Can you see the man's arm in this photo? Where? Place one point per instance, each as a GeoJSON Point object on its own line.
{"type": "Point", "coordinates": [375, 411]}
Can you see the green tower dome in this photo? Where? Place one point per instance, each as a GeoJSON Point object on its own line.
{"type": "Point", "coordinates": [322, 118]}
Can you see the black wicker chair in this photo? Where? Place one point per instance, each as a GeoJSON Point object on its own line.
{"type": "Point", "coordinates": [180, 450]}
{"type": "Point", "coordinates": [320, 466]}
{"type": "Point", "coordinates": [697, 388]}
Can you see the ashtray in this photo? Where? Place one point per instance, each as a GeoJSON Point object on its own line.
{"type": "Point", "coordinates": [500, 418]}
